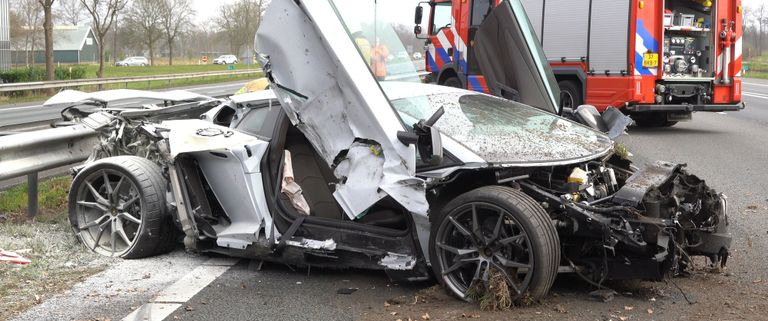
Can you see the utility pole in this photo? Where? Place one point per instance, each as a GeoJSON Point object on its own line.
{"type": "Point", "coordinates": [114, 41]}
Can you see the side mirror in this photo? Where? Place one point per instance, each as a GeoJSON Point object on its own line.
{"type": "Point", "coordinates": [427, 139]}
{"type": "Point", "coordinates": [417, 30]}
{"type": "Point", "coordinates": [418, 15]}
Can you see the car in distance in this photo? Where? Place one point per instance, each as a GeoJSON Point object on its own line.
{"type": "Point", "coordinates": [133, 61]}
{"type": "Point", "coordinates": [225, 60]}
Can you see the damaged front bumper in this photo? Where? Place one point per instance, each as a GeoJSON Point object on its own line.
{"type": "Point", "coordinates": [650, 228]}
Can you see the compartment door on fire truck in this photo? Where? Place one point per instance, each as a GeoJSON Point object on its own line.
{"type": "Point", "coordinates": [609, 37]}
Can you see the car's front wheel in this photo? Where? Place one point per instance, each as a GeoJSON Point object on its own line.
{"type": "Point", "coordinates": [117, 208]}
{"type": "Point", "coordinates": [494, 230]}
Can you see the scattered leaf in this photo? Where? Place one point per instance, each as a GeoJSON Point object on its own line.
{"type": "Point", "coordinates": [629, 308]}
{"type": "Point", "coordinates": [650, 311]}
{"type": "Point", "coordinates": [393, 313]}
{"type": "Point", "coordinates": [189, 308]}
{"type": "Point", "coordinates": [425, 316]}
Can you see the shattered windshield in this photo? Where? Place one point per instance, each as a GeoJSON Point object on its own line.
{"type": "Point", "coordinates": [503, 131]}
{"type": "Point", "coordinates": [383, 36]}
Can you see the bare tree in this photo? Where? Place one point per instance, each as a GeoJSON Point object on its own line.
{"type": "Point", "coordinates": [30, 18]}
{"type": "Point", "coordinates": [175, 16]}
{"type": "Point", "coordinates": [69, 12]}
{"type": "Point", "coordinates": [760, 14]}
{"type": "Point", "coordinates": [144, 16]}
{"type": "Point", "coordinates": [239, 21]}
{"type": "Point", "coordinates": [48, 27]}
{"type": "Point", "coordinates": [103, 13]}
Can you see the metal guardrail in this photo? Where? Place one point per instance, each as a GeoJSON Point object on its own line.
{"type": "Point", "coordinates": [117, 80]}
{"type": "Point", "coordinates": [31, 152]}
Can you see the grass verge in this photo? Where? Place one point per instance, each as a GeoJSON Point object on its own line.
{"type": "Point", "coordinates": [58, 259]}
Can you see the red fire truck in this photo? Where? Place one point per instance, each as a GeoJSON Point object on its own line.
{"type": "Point", "coordinates": [659, 60]}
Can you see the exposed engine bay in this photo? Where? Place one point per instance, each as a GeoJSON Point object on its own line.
{"type": "Point", "coordinates": [616, 221]}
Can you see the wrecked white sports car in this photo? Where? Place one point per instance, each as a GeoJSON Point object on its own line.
{"type": "Point", "coordinates": [333, 168]}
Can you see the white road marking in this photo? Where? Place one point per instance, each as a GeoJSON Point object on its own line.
{"type": "Point", "coordinates": [754, 84]}
{"type": "Point", "coordinates": [152, 312]}
{"type": "Point", "coordinates": [172, 297]}
{"type": "Point", "coordinates": [755, 95]}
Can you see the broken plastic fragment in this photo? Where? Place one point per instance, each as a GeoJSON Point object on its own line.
{"type": "Point", "coordinates": [396, 261]}
{"type": "Point", "coordinates": [11, 257]}
{"type": "Point", "coordinates": [291, 189]}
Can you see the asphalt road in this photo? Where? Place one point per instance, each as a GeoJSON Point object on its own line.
{"type": "Point", "coordinates": [729, 150]}
{"type": "Point", "coordinates": [24, 114]}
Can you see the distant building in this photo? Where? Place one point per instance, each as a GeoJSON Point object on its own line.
{"type": "Point", "coordinates": [5, 36]}
{"type": "Point", "coordinates": [71, 45]}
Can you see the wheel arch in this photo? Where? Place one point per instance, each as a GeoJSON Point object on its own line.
{"type": "Point", "coordinates": [572, 73]}
{"type": "Point", "coordinates": [448, 71]}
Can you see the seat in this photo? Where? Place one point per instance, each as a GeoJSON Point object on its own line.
{"type": "Point", "coordinates": [313, 175]}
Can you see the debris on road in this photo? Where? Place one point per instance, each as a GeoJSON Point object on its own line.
{"type": "Point", "coordinates": [346, 290]}
{"type": "Point", "coordinates": [605, 295]}
{"type": "Point", "coordinates": [12, 257]}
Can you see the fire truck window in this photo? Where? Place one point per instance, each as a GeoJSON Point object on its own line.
{"type": "Point", "coordinates": [480, 9]}
{"type": "Point", "coordinates": [442, 17]}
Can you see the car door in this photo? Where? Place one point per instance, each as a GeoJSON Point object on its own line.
{"type": "Point", "coordinates": [510, 57]}
{"type": "Point", "coordinates": [329, 93]}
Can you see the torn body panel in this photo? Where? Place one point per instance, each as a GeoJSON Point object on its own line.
{"type": "Point", "coordinates": [338, 105]}
{"type": "Point", "coordinates": [73, 97]}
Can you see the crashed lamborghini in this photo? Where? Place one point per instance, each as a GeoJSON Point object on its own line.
{"type": "Point", "coordinates": [334, 168]}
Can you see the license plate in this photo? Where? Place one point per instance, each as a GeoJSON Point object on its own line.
{"type": "Point", "coordinates": [651, 60]}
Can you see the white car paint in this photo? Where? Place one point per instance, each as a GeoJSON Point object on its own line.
{"type": "Point", "coordinates": [338, 104]}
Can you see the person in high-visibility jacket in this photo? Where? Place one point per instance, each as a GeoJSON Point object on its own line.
{"type": "Point", "coordinates": [363, 45]}
{"type": "Point", "coordinates": [379, 55]}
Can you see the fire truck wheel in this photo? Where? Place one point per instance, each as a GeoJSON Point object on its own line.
{"type": "Point", "coordinates": [570, 94]}
{"type": "Point", "coordinates": [452, 82]}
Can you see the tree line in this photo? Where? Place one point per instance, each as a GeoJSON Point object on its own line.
{"type": "Point", "coordinates": [167, 28]}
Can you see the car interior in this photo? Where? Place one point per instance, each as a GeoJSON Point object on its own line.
{"type": "Point", "coordinates": [317, 182]}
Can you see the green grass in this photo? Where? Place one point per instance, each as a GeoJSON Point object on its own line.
{"type": "Point", "coordinates": [58, 259]}
{"type": "Point", "coordinates": [52, 198]}
{"type": "Point", "coordinates": [112, 71]}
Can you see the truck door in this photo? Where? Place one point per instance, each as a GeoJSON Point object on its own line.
{"type": "Point", "coordinates": [479, 10]}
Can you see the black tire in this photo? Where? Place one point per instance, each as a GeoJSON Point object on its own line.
{"type": "Point", "coordinates": [153, 234]}
{"type": "Point", "coordinates": [452, 82]}
{"type": "Point", "coordinates": [570, 94]}
{"type": "Point", "coordinates": [525, 215]}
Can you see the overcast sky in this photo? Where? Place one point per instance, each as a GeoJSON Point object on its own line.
{"type": "Point", "coordinates": [207, 9]}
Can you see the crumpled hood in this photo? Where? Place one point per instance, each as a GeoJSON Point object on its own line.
{"type": "Point", "coordinates": [566, 144]}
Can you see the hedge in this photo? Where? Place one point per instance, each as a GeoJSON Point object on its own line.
{"type": "Point", "coordinates": [29, 74]}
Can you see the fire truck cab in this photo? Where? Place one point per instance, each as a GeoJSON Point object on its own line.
{"type": "Point", "coordinates": [658, 60]}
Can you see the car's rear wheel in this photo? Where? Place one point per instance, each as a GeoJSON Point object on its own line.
{"type": "Point", "coordinates": [495, 227]}
{"type": "Point", "coordinates": [117, 208]}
